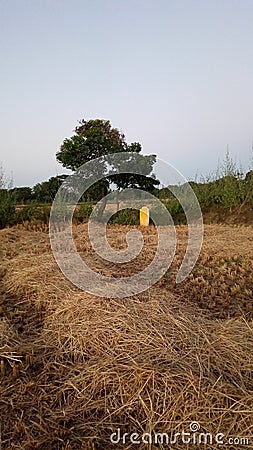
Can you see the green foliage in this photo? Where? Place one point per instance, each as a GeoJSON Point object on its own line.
{"type": "Point", "coordinates": [174, 207]}
{"type": "Point", "coordinates": [249, 188]}
{"type": "Point", "coordinates": [96, 138]}
{"type": "Point", "coordinates": [7, 203]}
{"type": "Point", "coordinates": [96, 191]}
{"type": "Point", "coordinates": [42, 213]}
{"type": "Point", "coordinates": [176, 211]}
{"type": "Point", "coordinates": [93, 138]}
{"type": "Point", "coordinates": [7, 208]}
{"type": "Point", "coordinates": [225, 189]}
{"type": "Point", "coordinates": [228, 191]}
{"type": "Point", "coordinates": [33, 211]}
{"type": "Point", "coordinates": [45, 192]}
{"type": "Point", "coordinates": [164, 193]}
{"type": "Point", "coordinates": [22, 195]}
{"type": "Point", "coordinates": [126, 216]}
{"type": "Point", "coordinates": [26, 213]}
{"type": "Point", "coordinates": [82, 212]}
{"type": "Point", "coordinates": [142, 164]}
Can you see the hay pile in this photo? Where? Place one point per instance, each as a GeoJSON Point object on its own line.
{"type": "Point", "coordinates": [75, 368]}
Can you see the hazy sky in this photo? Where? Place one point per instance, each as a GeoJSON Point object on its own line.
{"type": "Point", "coordinates": [175, 75]}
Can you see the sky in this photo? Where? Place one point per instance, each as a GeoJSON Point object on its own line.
{"type": "Point", "coordinates": [174, 75]}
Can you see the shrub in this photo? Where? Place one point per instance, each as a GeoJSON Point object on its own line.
{"type": "Point", "coordinates": [7, 208]}
{"type": "Point", "coordinates": [34, 211]}
{"type": "Point", "coordinates": [7, 202]}
{"type": "Point", "coordinates": [126, 216]}
{"type": "Point", "coordinates": [82, 212]}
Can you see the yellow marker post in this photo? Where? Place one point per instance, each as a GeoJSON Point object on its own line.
{"type": "Point", "coordinates": [144, 216]}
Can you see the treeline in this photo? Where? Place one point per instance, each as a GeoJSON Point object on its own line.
{"type": "Point", "coordinates": [230, 191]}
{"type": "Point", "coordinates": [42, 192]}
{"type": "Point", "coordinates": [20, 204]}
{"type": "Point", "coordinates": [45, 192]}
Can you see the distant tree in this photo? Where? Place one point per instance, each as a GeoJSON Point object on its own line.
{"type": "Point", "coordinates": [22, 195]}
{"type": "Point", "coordinates": [45, 192]}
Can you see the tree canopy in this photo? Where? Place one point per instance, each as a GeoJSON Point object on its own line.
{"type": "Point", "coordinates": [45, 192]}
{"type": "Point", "coordinates": [96, 138]}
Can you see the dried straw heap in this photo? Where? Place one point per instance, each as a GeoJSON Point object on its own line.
{"type": "Point", "coordinates": [74, 367]}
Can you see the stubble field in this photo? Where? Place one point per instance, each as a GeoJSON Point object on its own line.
{"type": "Point", "coordinates": [75, 368]}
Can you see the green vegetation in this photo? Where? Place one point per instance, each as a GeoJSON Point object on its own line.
{"type": "Point", "coordinates": [82, 212]}
{"type": "Point", "coordinates": [125, 216]}
{"type": "Point", "coordinates": [95, 139]}
{"type": "Point", "coordinates": [7, 208]}
{"type": "Point", "coordinates": [7, 204]}
{"type": "Point", "coordinates": [224, 196]}
{"type": "Point", "coordinates": [225, 192]}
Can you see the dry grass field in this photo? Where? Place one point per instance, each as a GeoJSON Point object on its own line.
{"type": "Point", "coordinates": [74, 367]}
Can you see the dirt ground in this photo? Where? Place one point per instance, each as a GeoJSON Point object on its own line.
{"type": "Point", "coordinates": [75, 367]}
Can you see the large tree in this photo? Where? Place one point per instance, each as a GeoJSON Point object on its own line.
{"type": "Point", "coordinates": [92, 139]}
{"type": "Point", "coordinates": [96, 138]}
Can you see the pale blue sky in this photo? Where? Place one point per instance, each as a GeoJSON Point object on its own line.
{"type": "Point", "coordinates": [175, 75]}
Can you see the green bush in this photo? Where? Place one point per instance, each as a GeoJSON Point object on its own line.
{"type": "Point", "coordinates": [229, 191]}
{"type": "Point", "coordinates": [33, 212]}
{"type": "Point", "coordinates": [42, 213]}
{"type": "Point", "coordinates": [126, 216]}
{"type": "Point", "coordinates": [7, 208]}
{"type": "Point", "coordinates": [82, 212]}
{"type": "Point", "coordinates": [248, 188]}
{"type": "Point", "coordinates": [176, 211]}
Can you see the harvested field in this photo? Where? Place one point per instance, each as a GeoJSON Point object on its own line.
{"type": "Point", "coordinates": [75, 368]}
